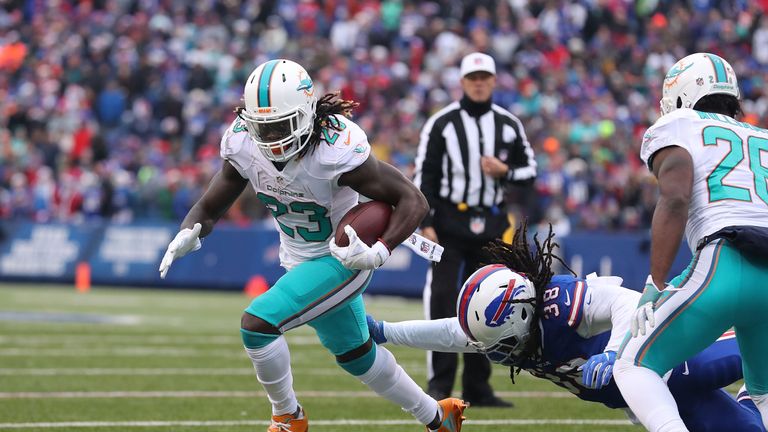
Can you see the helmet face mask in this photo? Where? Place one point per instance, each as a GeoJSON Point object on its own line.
{"type": "Point", "coordinates": [274, 130]}
{"type": "Point", "coordinates": [279, 108]}
{"type": "Point", "coordinates": [505, 352]}
{"type": "Point", "coordinates": [496, 311]}
{"type": "Point", "coordinates": [694, 77]}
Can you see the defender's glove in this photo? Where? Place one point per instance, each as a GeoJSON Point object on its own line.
{"type": "Point", "coordinates": [644, 311]}
{"type": "Point", "coordinates": [358, 255]}
{"type": "Point", "coordinates": [596, 373]}
{"type": "Point", "coordinates": [186, 241]}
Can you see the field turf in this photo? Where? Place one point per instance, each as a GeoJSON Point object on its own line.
{"type": "Point", "coordinates": [118, 359]}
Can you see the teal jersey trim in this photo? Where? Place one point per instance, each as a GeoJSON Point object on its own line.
{"type": "Point", "coordinates": [255, 340]}
{"type": "Point", "coordinates": [717, 62]}
{"type": "Point", "coordinates": [264, 79]}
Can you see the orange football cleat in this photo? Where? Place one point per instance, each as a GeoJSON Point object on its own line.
{"type": "Point", "coordinates": [453, 410]}
{"type": "Point", "coordinates": [290, 422]}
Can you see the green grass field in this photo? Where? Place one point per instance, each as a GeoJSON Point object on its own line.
{"type": "Point", "coordinates": [137, 359]}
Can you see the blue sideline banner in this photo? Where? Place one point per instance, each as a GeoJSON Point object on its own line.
{"type": "Point", "coordinates": [130, 255]}
{"type": "Point", "coordinates": [621, 254]}
{"type": "Point", "coordinates": [44, 252]}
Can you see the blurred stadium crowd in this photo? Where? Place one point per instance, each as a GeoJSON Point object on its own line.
{"type": "Point", "coordinates": [115, 108]}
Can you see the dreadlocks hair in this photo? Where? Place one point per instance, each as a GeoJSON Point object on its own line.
{"type": "Point", "coordinates": [327, 106]}
{"type": "Point", "coordinates": [536, 265]}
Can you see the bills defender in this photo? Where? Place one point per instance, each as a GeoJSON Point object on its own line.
{"type": "Point", "coordinates": [308, 163]}
{"type": "Point", "coordinates": [567, 330]}
{"type": "Point", "coordinates": [711, 171]}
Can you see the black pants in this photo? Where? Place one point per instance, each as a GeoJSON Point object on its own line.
{"type": "Point", "coordinates": [460, 259]}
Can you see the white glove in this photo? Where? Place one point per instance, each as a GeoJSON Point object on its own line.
{"type": "Point", "coordinates": [358, 255]}
{"type": "Point", "coordinates": [186, 241]}
{"type": "Point", "coordinates": [644, 312]}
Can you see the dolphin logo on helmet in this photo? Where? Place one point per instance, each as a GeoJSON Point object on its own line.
{"type": "Point", "coordinates": [305, 84]}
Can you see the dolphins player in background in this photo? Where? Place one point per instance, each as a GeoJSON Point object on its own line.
{"type": "Point", "coordinates": [308, 163]}
{"type": "Point", "coordinates": [712, 172]}
{"type": "Point", "coordinates": [566, 330]}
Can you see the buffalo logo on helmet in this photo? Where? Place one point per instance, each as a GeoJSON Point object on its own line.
{"type": "Point", "coordinates": [501, 308]}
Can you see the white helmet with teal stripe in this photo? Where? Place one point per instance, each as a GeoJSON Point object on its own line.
{"type": "Point", "coordinates": [279, 108]}
{"type": "Point", "coordinates": [694, 77]}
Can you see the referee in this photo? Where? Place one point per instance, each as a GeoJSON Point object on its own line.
{"type": "Point", "coordinates": [468, 152]}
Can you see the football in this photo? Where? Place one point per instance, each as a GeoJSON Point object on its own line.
{"type": "Point", "coordinates": [369, 219]}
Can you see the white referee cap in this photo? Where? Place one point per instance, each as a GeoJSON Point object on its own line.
{"type": "Point", "coordinates": [477, 62]}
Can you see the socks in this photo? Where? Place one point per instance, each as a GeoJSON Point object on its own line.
{"type": "Point", "coordinates": [648, 397]}
{"type": "Point", "coordinates": [273, 370]}
{"type": "Point", "coordinates": [390, 381]}
{"type": "Point", "coordinates": [762, 404]}
{"type": "Point", "coordinates": [434, 426]}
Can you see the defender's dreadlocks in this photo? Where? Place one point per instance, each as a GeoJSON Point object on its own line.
{"type": "Point", "coordinates": [327, 106]}
{"type": "Point", "coordinates": [536, 265]}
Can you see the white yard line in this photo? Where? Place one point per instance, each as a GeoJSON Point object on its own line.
{"type": "Point", "coordinates": [137, 339]}
{"type": "Point", "coordinates": [343, 422]}
{"type": "Point", "coordinates": [130, 371]}
{"type": "Point", "coordinates": [298, 370]}
{"type": "Point", "coordinates": [33, 341]}
{"type": "Point", "coordinates": [172, 350]}
{"type": "Point", "coordinates": [238, 394]}
{"type": "Point", "coordinates": [119, 351]}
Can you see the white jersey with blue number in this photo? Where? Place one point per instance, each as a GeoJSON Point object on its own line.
{"type": "Point", "coordinates": [730, 168]}
{"type": "Point", "coordinates": [305, 198]}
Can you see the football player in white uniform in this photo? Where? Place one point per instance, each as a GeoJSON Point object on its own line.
{"type": "Point", "coordinates": [712, 172]}
{"type": "Point", "coordinates": [307, 162]}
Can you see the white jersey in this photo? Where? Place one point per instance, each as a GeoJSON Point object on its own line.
{"type": "Point", "coordinates": [305, 198]}
{"type": "Point", "coordinates": [730, 167]}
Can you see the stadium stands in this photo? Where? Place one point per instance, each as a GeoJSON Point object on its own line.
{"type": "Point", "coordinates": [114, 109]}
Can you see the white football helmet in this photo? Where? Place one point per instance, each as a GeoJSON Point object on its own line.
{"type": "Point", "coordinates": [495, 326]}
{"type": "Point", "coordinates": [694, 77]}
{"type": "Point", "coordinates": [279, 108]}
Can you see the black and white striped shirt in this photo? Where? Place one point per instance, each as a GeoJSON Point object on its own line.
{"type": "Point", "coordinates": [452, 142]}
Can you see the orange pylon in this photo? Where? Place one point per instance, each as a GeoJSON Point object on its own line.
{"type": "Point", "coordinates": [83, 277]}
{"type": "Point", "coordinates": [256, 286]}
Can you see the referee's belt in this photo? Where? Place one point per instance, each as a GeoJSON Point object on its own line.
{"type": "Point", "coordinates": [464, 207]}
